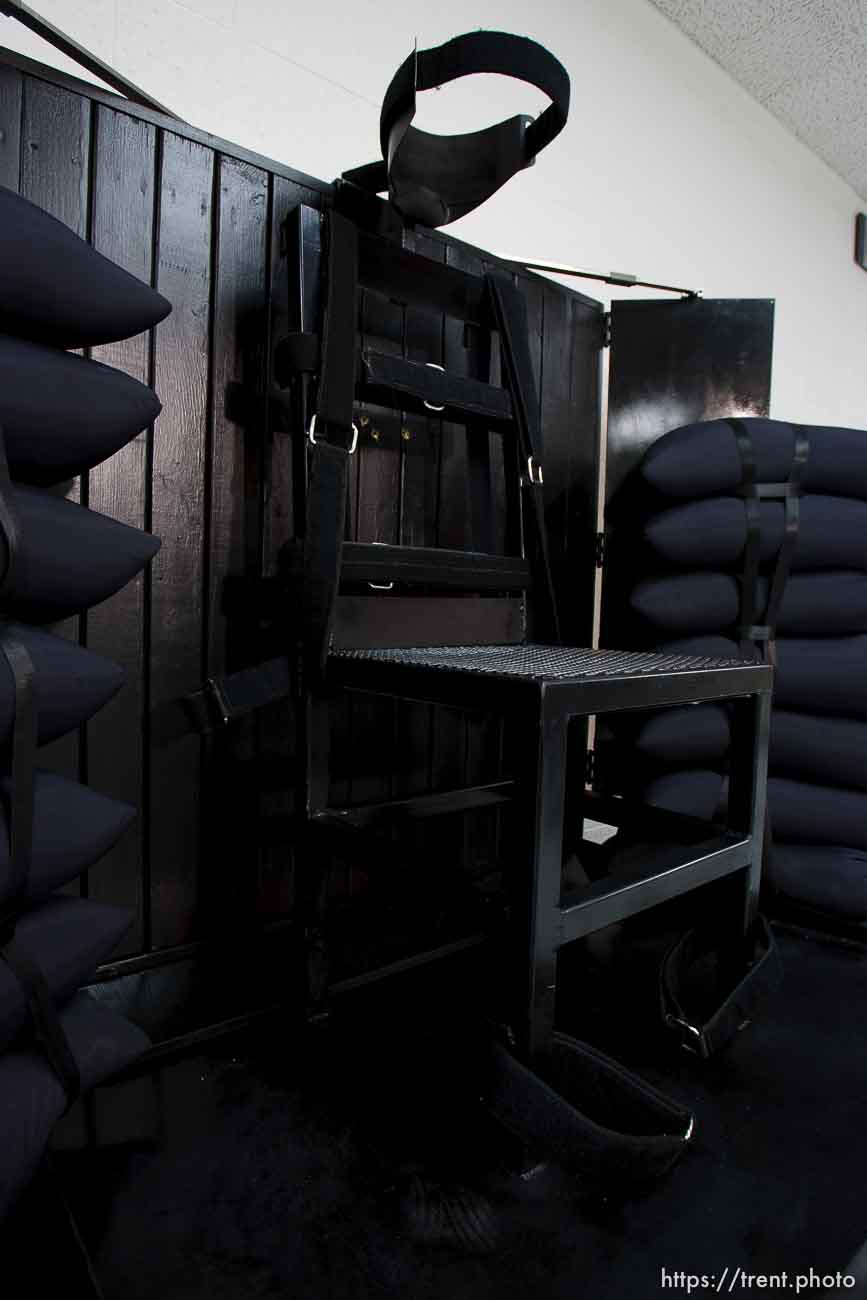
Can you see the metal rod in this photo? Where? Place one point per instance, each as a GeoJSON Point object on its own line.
{"type": "Point", "coordinates": [610, 277]}
{"type": "Point", "coordinates": [76, 52]}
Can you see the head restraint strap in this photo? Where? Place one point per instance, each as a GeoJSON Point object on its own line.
{"type": "Point", "coordinates": [436, 179]}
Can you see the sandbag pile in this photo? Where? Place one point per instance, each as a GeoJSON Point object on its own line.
{"type": "Point", "coordinates": [60, 414]}
{"type": "Point", "coordinates": [780, 510]}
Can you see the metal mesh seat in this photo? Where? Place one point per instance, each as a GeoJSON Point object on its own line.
{"type": "Point", "coordinates": [540, 662]}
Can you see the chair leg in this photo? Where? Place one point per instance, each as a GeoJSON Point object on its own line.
{"type": "Point", "coordinates": [541, 807]}
{"type": "Point", "coordinates": [747, 804]}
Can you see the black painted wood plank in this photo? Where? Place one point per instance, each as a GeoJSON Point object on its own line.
{"type": "Point", "coordinates": [55, 160]}
{"type": "Point", "coordinates": [419, 456]}
{"type": "Point", "coordinates": [123, 209]}
{"type": "Point", "coordinates": [52, 77]}
{"type": "Point", "coordinates": [11, 95]}
{"type": "Point", "coordinates": [377, 520]}
{"type": "Point", "coordinates": [178, 516]}
{"type": "Point", "coordinates": [230, 812]}
{"type": "Point", "coordinates": [423, 342]}
{"type": "Point", "coordinates": [276, 727]}
{"type": "Point", "coordinates": [582, 471]}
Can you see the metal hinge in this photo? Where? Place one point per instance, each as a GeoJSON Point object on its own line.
{"type": "Point", "coordinates": [600, 550]}
{"type": "Point", "coordinates": [590, 767]}
{"type": "Point", "coordinates": [606, 329]}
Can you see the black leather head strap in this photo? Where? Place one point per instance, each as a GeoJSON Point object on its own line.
{"type": "Point", "coordinates": [435, 179]}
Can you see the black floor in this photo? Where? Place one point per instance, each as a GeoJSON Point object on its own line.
{"type": "Point", "coordinates": [313, 1165]}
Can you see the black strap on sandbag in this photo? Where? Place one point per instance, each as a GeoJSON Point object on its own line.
{"type": "Point", "coordinates": [44, 1020]}
{"type": "Point", "coordinates": [436, 179]}
{"type": "Point", "coordinates": [510, 315]}
{"type": "Point", "coordinates": [751, 631]}
{"type": "Point", "coordinates": [690, 1000]}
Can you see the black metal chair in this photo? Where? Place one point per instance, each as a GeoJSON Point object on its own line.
{"type": "Point", "coordinates": [423, 639]}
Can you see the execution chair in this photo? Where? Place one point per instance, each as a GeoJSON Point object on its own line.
{"type": "Point", "coordinates": [478, 630]}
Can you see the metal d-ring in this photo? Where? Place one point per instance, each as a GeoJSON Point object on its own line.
{"type": "Point", "coordinates": [430, 406]}
{"type": "Point", "coordinates": [350, 450]}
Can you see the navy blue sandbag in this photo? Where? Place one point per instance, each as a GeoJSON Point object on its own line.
{"type": "Point", "coordinates": [826, 750]}
{"type": "Point", "coordinates": [61, 414]}
{"type": "Point", "coordinates": [801, 813]}
{"type": "Point", "coordinates": [32, 1098]}
{"type": "Point", "coordinates": [711, 534]}
{"type": "Point", "coordinates": [831, 877]}
{"type": "Point", "coordinates": [702, 460]}
{"type": "Point", "coordinates": [73, 826]}
{"type": "Point", "coordinates": [70, 683]}
{"type": "Point", "coordinates": [689, 735]}
{"type": "Point", "coordinates": [833, 603]}
{"type": "Point", "coordinates": [698, 793]}
{"type": "Point", "coordinates": [56, 289]}
{"type": "Point", "coordinates": [70, 558]}
{"type": "Point", "coordinates": [829, 751]}
{"type": "Point", "coordinates": [67, 938]}
{"type": "Point", "coordinates": [819, 675]}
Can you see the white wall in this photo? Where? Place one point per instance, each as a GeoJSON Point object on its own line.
{"type": "Point", "coordinates": [667, 168]}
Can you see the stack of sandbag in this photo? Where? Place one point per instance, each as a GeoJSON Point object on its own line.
{"type": "Point", "coordinates": [60, 414]}
{"type": "Point", "coordinates": [704, 488]}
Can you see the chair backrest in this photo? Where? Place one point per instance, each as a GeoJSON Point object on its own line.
{"type": "Point", "coordinates": [445, 412]}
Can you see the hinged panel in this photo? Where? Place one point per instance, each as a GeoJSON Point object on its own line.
{"type": "Point", "coordinates": [675, 363]}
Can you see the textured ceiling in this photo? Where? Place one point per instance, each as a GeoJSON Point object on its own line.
{"type": "Point", "coordinates": [804, 60]}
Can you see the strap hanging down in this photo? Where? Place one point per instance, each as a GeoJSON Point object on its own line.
{"type": "Point", "coordinates": [510, 315]}
{"type": "Point", "coordinates": [684, 997]}
{"type": "Point", "coordinates": [436, 179]}
{"type": "Point", "coordinates": [333, 439]}
{"type": "Point", "coordinates": [750, 629]}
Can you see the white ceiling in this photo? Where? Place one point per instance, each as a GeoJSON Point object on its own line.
{"type": "Point", "coordinates": [804, 60]}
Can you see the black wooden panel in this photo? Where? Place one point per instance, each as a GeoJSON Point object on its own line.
{"type": "Point", "coordinates": [179, 512]}
{"type": "Point", "coordinates": [673, 363]}
{"type": "Point", "coordinates": [570, 394]}
{"type": "Point", "coordinates": [55, 162]}
{"type": "Point", "coordinates": [124, 187]}
{"type": "Point", "coordinates": [234, 474]}
{"type": "Point", "coordinates": [276, 726]}
{"type": "Point", "coordinates": [10, 127]}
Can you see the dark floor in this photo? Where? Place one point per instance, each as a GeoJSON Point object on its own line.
{"type": "Point", "coordinates": [293, 1165]}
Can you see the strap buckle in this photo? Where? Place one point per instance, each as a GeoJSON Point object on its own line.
{"type": "Point", "coordinates": [216, 701]}
{"type": "Point", "coordinates": [696, 1048]}
{"type": "Point", "coordinates": [534, 472]}
{"type": "Point", "coordinates": [350, 450]}
{"type": "Point", "coordinates": [430, 406]}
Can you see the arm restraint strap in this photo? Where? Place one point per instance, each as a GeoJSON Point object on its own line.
{"type": "Point", "coordinates": [750, 630]}
{"type": "Point", "coordinates": [510, 315]}
{"type": "Point", "coordinates": [333, 439]}
{"type": "Point", "coordinates": [42, 1012]}
{"type": "Point", "coordinates": [738, 1007]}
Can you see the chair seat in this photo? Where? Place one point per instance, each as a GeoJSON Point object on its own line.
{"type": "Point", "coordinates": [541, 663]}
{"type": "Point", "coordinates": [468, 670]}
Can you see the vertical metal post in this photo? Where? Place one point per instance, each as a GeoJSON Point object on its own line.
{"type": "Point", "coordinates": [747, 803]}
{"type": "Point", "coordinates": [541, 807]}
